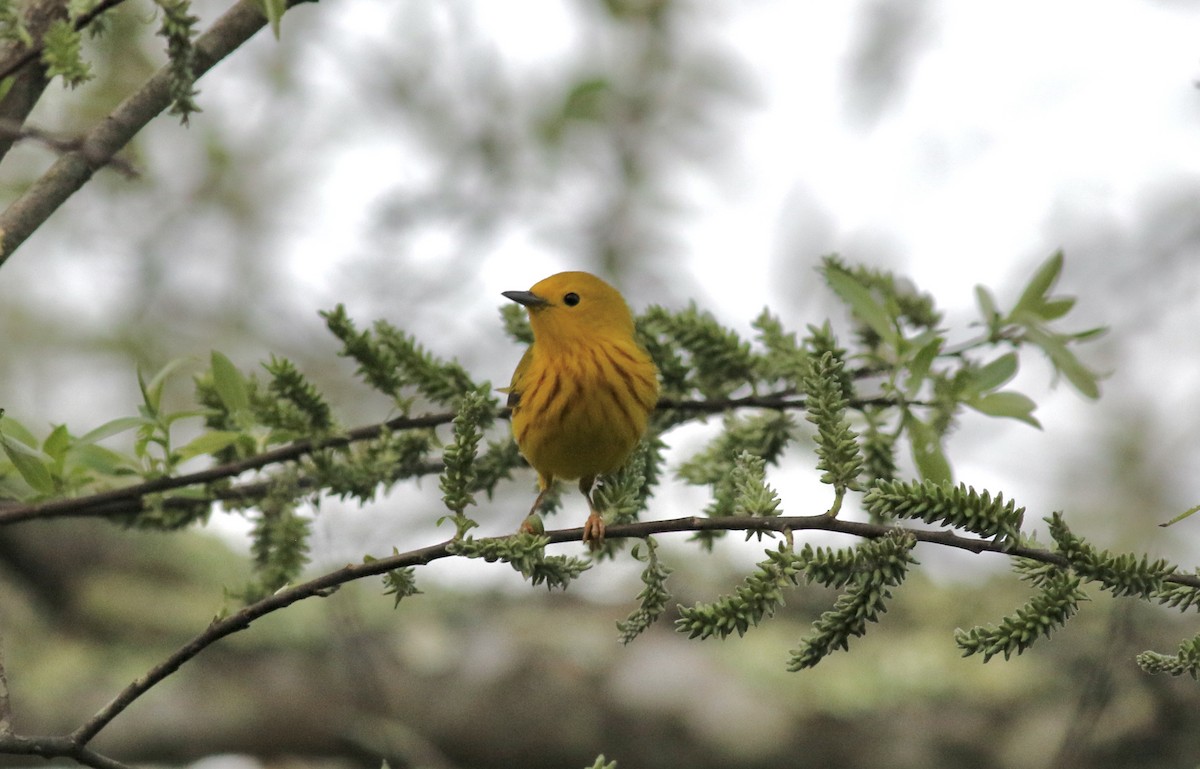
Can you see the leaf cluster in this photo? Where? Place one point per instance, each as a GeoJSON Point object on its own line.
{"type": "Point", "coordinates": [179, 29]}
{"type": "Point", "coordinates": [1124, 574]}
{"type": "Point", "coordinates": [876, 567]}
{"type": "Point", "coordinates": [866, 574]}
{"type": "Point", "coordinates": [394, 363]}
{"type": "Point", "coordinates": [1050, 608]}
{"type": "Point", "coordinates": [526, 554]}
{"type": "Point", "coordinates": [458, 459]}
{"type": "Point", "coordinates": [959, 506]}
{"type": "Point", "coordinates": [839, 457]}
{"type": "Point", "coordinates": [653, 597]}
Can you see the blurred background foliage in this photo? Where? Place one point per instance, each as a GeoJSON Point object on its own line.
{"type": "Point", "coordinates": [412, 160]}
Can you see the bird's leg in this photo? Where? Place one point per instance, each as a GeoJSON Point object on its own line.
{"type": "Point", "coordinates": [533, 522]}
{"type": "Point", "coordinates": [593, 528]}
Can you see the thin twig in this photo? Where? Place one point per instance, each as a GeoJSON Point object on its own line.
{"type": "Point", "coordinates": [11, 130]}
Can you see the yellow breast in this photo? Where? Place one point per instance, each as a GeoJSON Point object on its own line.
{"type": "Point", "coordinates": [583, 409]}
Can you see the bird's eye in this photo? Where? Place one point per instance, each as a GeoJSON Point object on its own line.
{"type": "Point", "coordinates": [571, 299]}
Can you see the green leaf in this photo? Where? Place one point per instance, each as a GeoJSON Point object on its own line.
{"type": "Point", "coordinates": [113, 427]}
{"type": "Point", "coordinates": [1186, 513]}
{"type": "Point", "coordinates": [987, 305]}
{"type": "Point", "coordinates": [586, 101]}
{"type": "Point", "coordinates": [101, 459]}
{"type": "Point", "coordinates": [209, 443]}
{"type": "Point", "coordinates": [57, 442]}
{"type": "Point", "coordinates": [996, 373]}
{"type": "Point", "coordinates": [1006, 404]}
{"type": "Point", "coordinates": [1033, 298]}
{"type": "Point", "coordinates": [229, 383]}
{"type": "Point", "coordinates": [1091, 333]}
{"type": "Point", "coordinates": [273, 10]}
{"type": "Point", "coordinates": [14, 429]}
{"type": "Point", "coordinates": [179, 29]}
{"type": "Point", "coordinates": [1057, 308]}
{"type": "Point", "coordinates": [152, 390]}
{"type": "Point", "coordinates": [918, 369]}
{"type": "Point", "coordinates": [33, 465]}
{"type": "Point", "coordinates": [1081, 377]}
{"type": "Point", "coordinates": [927, 452]}
{"type": "Point", "coordinates": [61, 54]}
{"type": "Point", "coordinates": [862, 304]}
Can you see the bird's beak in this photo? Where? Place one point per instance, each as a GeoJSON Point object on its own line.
{"type": "Point", "coordinates": [527, 298]}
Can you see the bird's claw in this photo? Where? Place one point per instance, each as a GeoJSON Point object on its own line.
{"type": "Point", "coordinates": [593, 531]}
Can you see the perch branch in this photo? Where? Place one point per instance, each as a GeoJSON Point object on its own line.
{"type": "Point", "coordinates": [71, 745]}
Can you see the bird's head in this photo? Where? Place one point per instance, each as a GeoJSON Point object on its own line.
{"type": "Point", "coordinates": [570, 306]}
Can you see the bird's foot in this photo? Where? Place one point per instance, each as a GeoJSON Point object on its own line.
{"type": "Point", "coordinates": [593, 531]}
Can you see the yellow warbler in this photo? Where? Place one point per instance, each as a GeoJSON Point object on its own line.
{"type": "Point", "coordinates": [584, 389]}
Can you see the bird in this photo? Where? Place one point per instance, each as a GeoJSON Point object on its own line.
{"type": "Point", "coordinates": [583, 392]}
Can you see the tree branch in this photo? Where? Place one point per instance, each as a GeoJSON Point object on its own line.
{"type": "Point", "coordinates": [74, 745]}
{"type": "Point", "coordinates": [12, 130]}
{"type": "Point", "coordinates": [72, 170]}
{"type": "Point", "coordinates": [119, 500]}
{"type": "Point", "coordinates": [57, 747]}
{"type": "Point", "coordinates": [128, 498]}
{"type": "Point", "coordinates": [29, 83]}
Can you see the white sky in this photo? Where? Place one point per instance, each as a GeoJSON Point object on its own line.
{"type": "Point", "coordinates": [1012, 110]}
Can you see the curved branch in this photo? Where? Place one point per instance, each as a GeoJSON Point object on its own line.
{"type": "Point", "coordinates": [73, 169]}
{"type": "Point", "coordinates": [325, 584]}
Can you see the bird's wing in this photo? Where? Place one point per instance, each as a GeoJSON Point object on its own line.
{"type": "Point", "coordinates": [514, 388]}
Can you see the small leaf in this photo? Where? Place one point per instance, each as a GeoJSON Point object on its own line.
{"type": "Point", "coordinates": [229, 383]}
{"type": "Point", "coordinates": [1091, 333]}
{"type": "Point", "coordinates": [33, 465]}
{"type": "Point", "coordinates": [1065, 362]}
{"type": "Point", "coordinates": [1007, 404]}
{"type": "Point", "coordinates": [1033, 298]}
{"type": "Point", "coordinates": [273, 10]}
{"type": "Point", "coordinates": [996, 373]}
{"type": "Point", "coordinates": [862, 304]}
{"type": "Point", "coordinates": [918, 369]}
{"type": "Point", "coordinates": [17, 431]}
{"type": "Point", "coordinates": [152, 390]}
{"type": "Point", "coordinates": [209, 443]}
{"type": "Point", "coordinates": [101, 459]}
{"type": "Point", "coordinates": [987, 305]}
{"type": "Point", "coordinates": [927, 452]}
{"type": "Point", "coordinates": [1057, 308]}
{"type": "Point", "coordinates": [57, 442]}
{"type": "Point", "coordinates": [113, 427]}
{"type": "Point", "coordinates": [586, 101]}
{"type": "Point", "coordinates": [1186, 513]}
